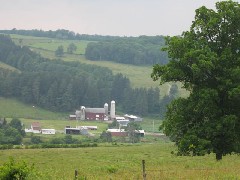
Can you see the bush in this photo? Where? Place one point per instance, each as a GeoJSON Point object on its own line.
{"type": "Point", "coordinates": [36, 140]}
{"type": "Point", "coordinates": [17, 170]}
{"type": "Point", "coordinates": [112, 169]}
{"type": "Point", "coordinates": [6, 146]}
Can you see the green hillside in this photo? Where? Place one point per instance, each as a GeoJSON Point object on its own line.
{"type": "Point", "coordinates": [14, 108]}
{"type": "Point", "coordinates": [5, 66]}
{"type": "Point", "coordinates": [139, 76]}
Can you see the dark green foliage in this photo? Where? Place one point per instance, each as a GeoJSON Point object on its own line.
{"type": "Point", "coordinates": [17, 124]}
{"type": "Point", "coordinates": [206, 60]}
{"type": "Point", "coordinates": [139, 50]}
{"type": "Point", "coordinates": [106, 136]}
{"type": "Point", "coordinates": [113, 125]}
{"type": "Point", "coordinates": [59, 34]}
{"type": "Point", "coordinates": [11, 133]}
{"type": "Point", "coordinates": [13, 170]}
{"type": "Point", "coordinates": [67, 139]}
{"type": "Point", "coordinates": [36, 139]}
{"type": "Point", "coordinates": [48, 145]}
{"type": "Point", "coordinates": [71, 48]}
{"type": "Point", "coordinates": [131, 128]}
{"type": "Point", "coordinates": [60, 51]}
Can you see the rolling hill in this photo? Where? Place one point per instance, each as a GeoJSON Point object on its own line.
{"type": "Point", "coordinates": [139, 76]}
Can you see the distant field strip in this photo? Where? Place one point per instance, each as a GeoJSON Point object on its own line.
{"type": "Point", "coordinates": [5, 66]}
{"type": "Point", "coordinates": [13, 108]}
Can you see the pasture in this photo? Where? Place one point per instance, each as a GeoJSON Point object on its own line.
{"type": "Point", "coordinates": [7, 67]}
{"type": "Point", "coordinates": [124, 161]}
{"type": "Point", "coordinates": [13, 108]}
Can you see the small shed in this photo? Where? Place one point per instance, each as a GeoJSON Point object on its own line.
{"type": "Point", "coordinates": [140, 132]}
{"type": "Point", "coordinates": [70, 130]}
{"type": "Point", "coordinates": [132, 118]}
{"type": "Point", "coordinates": [48, 131]}
{"type": "Point", "coordinates": [89, 127]}
{"type": "Point", "coordinates": [123, 123]}
{"type": "Point", "coordinates": [72, 117]}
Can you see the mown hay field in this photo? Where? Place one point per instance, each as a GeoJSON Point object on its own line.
{"type": "Point", "coordinates": [122, 161]}
{"type": "Point", "coordinates": [13, 108]}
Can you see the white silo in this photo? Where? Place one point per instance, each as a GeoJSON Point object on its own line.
{"type": "Point", "coordinates": [106, 109]}
{"type": "Point", "coordinates": [112, 110]}
{"type": "Point", "coordinates": [82, 113]}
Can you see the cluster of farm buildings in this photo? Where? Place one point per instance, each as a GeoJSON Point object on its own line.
{"type": "Point", "coordinates": [92, 114]}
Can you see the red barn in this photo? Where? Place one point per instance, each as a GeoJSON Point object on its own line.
{"type": "Point", "coordinates": [118, 132]}
{"type": "Point", "coordinates": [94, 113]}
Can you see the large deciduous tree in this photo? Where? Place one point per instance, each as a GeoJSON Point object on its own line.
{"type": "Point", "coordinates": [206, 59]}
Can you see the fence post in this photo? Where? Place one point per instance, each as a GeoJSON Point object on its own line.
{"type": "Point", "coordinates": [144, 172]}
{"type": "Point", "coordinates": [76, 173]}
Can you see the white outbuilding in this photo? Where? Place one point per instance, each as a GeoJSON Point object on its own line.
{"type": "Point", "coordinates": [48, 131]}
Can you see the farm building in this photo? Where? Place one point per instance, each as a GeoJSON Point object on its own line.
{"type": "Point", "coordinates": [35, 128]}
{"type": "Point", "coordinates": [123, 123]}
{"type": "Point", "coordinates": [48, 131]}
{"type": "Point", "coordinates": [140, 132]}
{"type": "Point", "coordinates": [132, 118]}
{"type": "Point", "coordinates": [96, 113]}
{"type": "Point", "coordinates": [76, 130]}
{"type": "Point", "coordinates": [89, 127]}
{"type": "Point", "coordinates": [72, 117]}
{"type": "Point", "coordinates": [118, 132]}
{"type": "Point", "coordinates": [123, 133]}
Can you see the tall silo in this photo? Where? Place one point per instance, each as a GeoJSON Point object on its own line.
{"type": "Point", "coordinates": [82, 113]}
{"type": "Point", "coordinates": [112, 110]}
{"type": "Point", "coordinates": [106, 109]}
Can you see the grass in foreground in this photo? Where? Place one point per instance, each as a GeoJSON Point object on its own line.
{"type": "Point", "coordinates": [123, 161]}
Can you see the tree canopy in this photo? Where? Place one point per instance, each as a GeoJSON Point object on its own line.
{"type": "Point", "coordinates": [142, 50]}
{"type": "Point", "coordinates": [206, 59]}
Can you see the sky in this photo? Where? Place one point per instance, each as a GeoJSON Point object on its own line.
{"type": "Point", "coordinates": [102, 17]}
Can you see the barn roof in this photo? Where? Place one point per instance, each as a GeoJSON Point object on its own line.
{"type": "Point", "coordinates": [95, 110]}
{"type": "Point", "coordinates": [36, 124]}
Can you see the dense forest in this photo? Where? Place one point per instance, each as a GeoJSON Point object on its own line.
{"type": "Point", "coordinates": [142, 50]}
{"type": "Point", "coordinates": [65, 86]}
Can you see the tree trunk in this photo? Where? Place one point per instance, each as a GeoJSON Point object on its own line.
{"type": "Point", "coordinates": [218, 156]}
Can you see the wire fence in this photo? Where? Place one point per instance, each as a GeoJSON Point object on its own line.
{"type": "Point", "coordinates": [179, 173]}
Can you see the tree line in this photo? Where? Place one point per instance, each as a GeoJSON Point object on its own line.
{"type": "Point", "coordinates": [142, 50]}
{"type": "Point", "coordinates": [12, 132]}
{"type": "Point", "coordinates": [59, 34]}
{"type": "Point", "coordinates": [65, 86]}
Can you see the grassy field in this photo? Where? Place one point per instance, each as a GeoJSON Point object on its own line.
{"type": "Point", "coordinates": [140, 76]}
{"type": "Point", "coordinates": [122, 161]}
{"type": "Point", "coordinates": [13, 108]}
{"type": "Point", "coordinates": [5, 66]}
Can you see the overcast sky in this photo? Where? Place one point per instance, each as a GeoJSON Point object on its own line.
{"type": "Point", "coordinates": [103, 17]}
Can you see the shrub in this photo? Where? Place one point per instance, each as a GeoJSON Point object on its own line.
{"type": "Point", "coordinates": [112, 169]}
{"type": "Point", "coordinates": [17, 170]}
